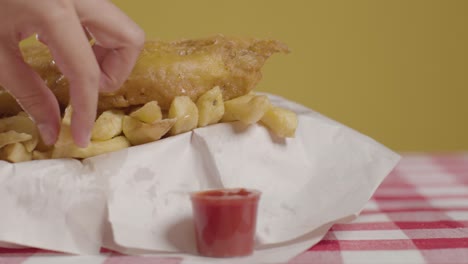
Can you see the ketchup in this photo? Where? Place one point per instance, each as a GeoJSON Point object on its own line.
{"type": "Point", "coordinates": [225, 221]}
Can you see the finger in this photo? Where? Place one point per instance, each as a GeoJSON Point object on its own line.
{"type": "Point", "coordinates": [73, 54]}
{"type": "Point", "coordinates": [88, 36]}
{"type": "Point", "coordinates": [100, 54]}
{"type": "Point", "coordinates": [118, 40]}
{"type": "Point", "coordinates": [31, 93]}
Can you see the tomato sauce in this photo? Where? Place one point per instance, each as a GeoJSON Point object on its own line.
{"type": "Point", "coordinates": [225, 221]}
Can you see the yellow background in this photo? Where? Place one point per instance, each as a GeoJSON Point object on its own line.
{"type": "Point", "coordinates": [396, 70]}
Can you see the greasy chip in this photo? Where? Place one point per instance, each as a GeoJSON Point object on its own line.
{"type": "Point", "coordinates": [15, 152]}
{"type": "Point", "coordinates": [248, 109]}
{"type": "Point", "coordinates": [184, 110]}
{"type": "Point", "coordinates": [107, 125]}
{"type": "Point", "coordinates": [149, 113]}
{"type": "Point", "coordinates": [11, 137]}
{"type": "Point", "coordinates": [113, 130]}
{"type": "Point", "coordinates": [210, 107]}
{"type": "Point", "coordinates": [282, 122]}
{"type": "Point", "coordinates": [139, 132]}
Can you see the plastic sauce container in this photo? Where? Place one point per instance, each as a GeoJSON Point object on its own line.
{"type": "Point", "coordinates": [225, 221]}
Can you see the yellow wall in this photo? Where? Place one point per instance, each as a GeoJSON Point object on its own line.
{"type": "Point", "coordinates": [396, 70]}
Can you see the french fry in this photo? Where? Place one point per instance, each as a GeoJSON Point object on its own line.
{"type": "Point", "coordinates": [64, 144]}
{"type": "Point", "coordinates": [21, 124]}
{"type": "Point", "coordinates": [139, 132]}
{"type": "Point", "coordinates": [185, 111]}
{"type": "Point", "coordinates": [248, 109]}
{"type": "Point", "coordinates": [11, 137]}
{"type": "Point", "coordinates": [149, 113]}
{"type": "Point", "coordinates": [107, 125]}
{"type": "Point", "coordinates": [20, 140]}
{"type": "Point", "coordinates": [282, 122]}
{"type": "Point", "coordinates": [23, 113]}
{"type": "Point", "coordinates": [66, 148]}
{"type": "Point", "coordinates": [93, 149]}
{"type": "Point", "coordinates": [210, 107]}
{"type": "Point", "coordinates": [15, 152]}
{"type": "Point", "coordinates": [41, 155]}
{"type": "Point", "coordinates": [65, 139]}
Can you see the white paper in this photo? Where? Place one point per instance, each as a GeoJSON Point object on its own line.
{"type": "Point", "coordinates": [54, 205]}
{"type": "Point", "coordinates": [323, 175]}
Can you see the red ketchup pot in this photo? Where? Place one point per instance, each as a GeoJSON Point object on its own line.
{"type": "Point", "coordinates": [225, 221]}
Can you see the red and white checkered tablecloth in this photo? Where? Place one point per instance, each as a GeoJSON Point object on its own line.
{"type": "Point", "coordinates": [418, 215]}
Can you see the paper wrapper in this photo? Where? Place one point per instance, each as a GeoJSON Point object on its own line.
{"type": "Point", "coordinates": [325, 174]}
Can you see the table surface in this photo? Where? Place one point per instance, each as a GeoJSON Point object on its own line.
{"type": "Point", "coordinates": [419, 214]}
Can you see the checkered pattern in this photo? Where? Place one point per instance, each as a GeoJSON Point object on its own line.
{"type": "Point", "coordinates": [418, 215]}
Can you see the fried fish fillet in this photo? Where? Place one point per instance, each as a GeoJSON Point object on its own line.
{"type": "Point", "coordinates": [165, 70]}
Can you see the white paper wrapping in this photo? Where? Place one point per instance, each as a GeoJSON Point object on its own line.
{"type": "Point", "coordinates": [53, 204]}
{"type": "Point", "coordinates": [323, 175]}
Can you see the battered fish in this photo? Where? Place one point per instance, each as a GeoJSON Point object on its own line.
{"type": "Point", "coordinates": [165, 70]}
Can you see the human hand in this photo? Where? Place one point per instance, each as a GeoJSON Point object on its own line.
{"type": "Point", "coordinates": [64, 26]}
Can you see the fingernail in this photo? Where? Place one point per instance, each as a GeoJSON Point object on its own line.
{"type": "Point", "coordinates": [49, 135]}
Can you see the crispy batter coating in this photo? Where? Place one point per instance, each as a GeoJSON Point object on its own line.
{"type": "Point", "coordinates": [165, 70]}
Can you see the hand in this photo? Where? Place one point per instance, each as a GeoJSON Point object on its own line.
{"type": "Point", "coordinates": [63, 25]}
